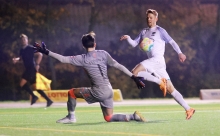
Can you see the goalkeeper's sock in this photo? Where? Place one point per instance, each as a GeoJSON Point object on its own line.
{"type": "Point", "coordinates": [71, 115]}
{"type": "Point", "coordinates": [120, 118]}
{"type": "Point", "coordinates": [28, 89]}
{"type": "Point", "coordinates": [43, 95]}
{"type": "Point", "coordinates": [147, 76]}
{"type": "Point", "coordinates": [71, 105]}
{"type": "Point", "coordinates": [131, 116]}
{"type": "Point", "coordinates": [179, 99]}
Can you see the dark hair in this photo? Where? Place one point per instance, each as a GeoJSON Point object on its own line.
{"type": "Point", "coordinates": [88, 40]}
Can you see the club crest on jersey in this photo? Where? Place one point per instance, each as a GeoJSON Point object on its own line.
{"type": "Point", "coordinates": [153, 33]}
{"type": "Point", "coordinates": [146, 44]}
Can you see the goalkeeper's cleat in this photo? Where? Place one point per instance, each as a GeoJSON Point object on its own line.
{"type": "Point", "coordinates": [163, 86]}
{"type": "Point", "coordinates": [189, 113]}
{"type": "Point", "coordinates": [66, 120]}
{"type": "Point", "coordinates": [138, 117]}
{"type": "Point", "coordinates": [34, 99]}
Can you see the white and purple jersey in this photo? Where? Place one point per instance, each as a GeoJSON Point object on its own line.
{"type": "Point", "coordinates": [159, 36]}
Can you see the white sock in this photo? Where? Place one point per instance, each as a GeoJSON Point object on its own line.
{"type": "Point", "coordinates": [179, 98]}
{"type": "Point", "coordinates": [72, 114]}
{"type": "Point", "coordinates": [147, 76]}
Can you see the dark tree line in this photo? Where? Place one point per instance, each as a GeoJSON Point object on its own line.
{"type": "Point", "coordinates": [194, 25]}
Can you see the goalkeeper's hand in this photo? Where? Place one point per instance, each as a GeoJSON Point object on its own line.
{"type": "Point", "coordinates": [41, 48]}
{"type": "Point", "coordinates": [138, 82]}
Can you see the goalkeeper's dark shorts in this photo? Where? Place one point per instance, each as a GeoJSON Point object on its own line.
{"type": "Point", "coordinates": [30, 76]}
{"type": "Point", "coordinates": [102, 95]}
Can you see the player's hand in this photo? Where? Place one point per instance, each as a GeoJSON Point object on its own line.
{"type": "Point", "coordinates": [138, 82]}
{"type": "Point", "coordinates": [15, 60]}
{"type": "Point", "coordinates": [41, 48]}
{"type": "Point", "coordinates": [124, 37]}
{"type": "Point", "coordinates": [37, 67]}
{"type": "Point", "coordinates": [182, 57]}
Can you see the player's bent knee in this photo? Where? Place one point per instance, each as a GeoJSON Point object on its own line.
{"type": "Point", "coordinates": [108, 118]}
{"type": "Point", "coordinates": [71, 93]}
{"type": "Point", "coordinates": [170, 87]}
{"type": "Point", "coordinates": [137, 69]}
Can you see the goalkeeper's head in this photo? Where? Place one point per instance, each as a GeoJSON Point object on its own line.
{"type": "Point", "coordinates": [88, 40]}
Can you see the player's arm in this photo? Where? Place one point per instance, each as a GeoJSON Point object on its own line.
{"type": "Point", "coordinates": [61, 58]}
{"type": "Point", "coordinates": [175, 46]}
{"type": "Point", "coordinates": [167, 38]}
{"type": "Point", "coordinates": [114, 63]}
{"type": "Point", "coordinates": [134, 42]}
{"type": "Point", "coordinates": [15, 60]}
{"type": "Point", "coordinates": [74, 60]}
{"type": "Point", "coordinates": [42, 49]}
{"type": "Point", "coordinates": [39, 57]}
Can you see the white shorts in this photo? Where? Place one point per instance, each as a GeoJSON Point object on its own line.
{"type": "Point", "coordinates": [152, 65]}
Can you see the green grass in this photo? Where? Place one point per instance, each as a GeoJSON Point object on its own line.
{"type": "Point", "coordinates": [162, 120]}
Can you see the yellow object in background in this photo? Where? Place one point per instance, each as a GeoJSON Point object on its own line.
{"type": "Point", "coordinates": [42, 83]}
{"type": "Point", "coordinates": [62, 96]}
{"type": "Point", "coordinates": [117, 96]}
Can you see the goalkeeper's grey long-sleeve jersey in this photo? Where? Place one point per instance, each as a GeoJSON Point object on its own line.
{"type": "Point", "coordinates": [95, 64]}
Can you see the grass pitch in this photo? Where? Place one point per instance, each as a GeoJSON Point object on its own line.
{"type": "Point", "coordinates": [165, 120]}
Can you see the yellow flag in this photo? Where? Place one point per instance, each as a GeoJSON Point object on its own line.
{"type": "Point", "coordinates": [42, 83]}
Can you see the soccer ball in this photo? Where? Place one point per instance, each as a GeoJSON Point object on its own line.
{"type": "Point", "coordinates": [146, 44]}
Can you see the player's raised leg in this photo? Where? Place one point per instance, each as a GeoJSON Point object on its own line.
{"type": "Point", "coordinates": [24, 85]}
{"type": "Point", "coordinates": [140, 71]}
{"type": "Point", "coordinates": [49, 101]}
{"type": "Point", "coordinates": [179, 99]}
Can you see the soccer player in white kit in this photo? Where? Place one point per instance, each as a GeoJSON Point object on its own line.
{"type": "Point", "coordinates": [152, 40]}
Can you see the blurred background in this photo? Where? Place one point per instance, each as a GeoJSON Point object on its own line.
{"type": "Point", "coordinates": [193, 24]}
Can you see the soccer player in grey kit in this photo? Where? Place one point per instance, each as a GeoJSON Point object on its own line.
{"type": "Point", "coordinates": [95, 64]}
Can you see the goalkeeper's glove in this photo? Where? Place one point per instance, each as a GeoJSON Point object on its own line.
{"type": "Point", "coordinates": [138, 81]}
{"type": "Point", "coordinates": [41, 48]}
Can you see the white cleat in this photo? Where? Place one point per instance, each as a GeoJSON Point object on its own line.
{"type": "Point", "coordinates": [66, 120]}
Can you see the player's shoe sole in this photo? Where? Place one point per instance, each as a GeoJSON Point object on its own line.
{"type": "Point", "coordinates": [138, 117]}
{"type": "Point", "coordinates": [66, 120]}
{"type": "Point", "coordinates": [49, 103]}
{"type": "Point", "coordinates": [33, 100]}
{"type": "Point", "coordinates": [163, 86]}
{"type": "Point", "coordinates": [189, 113]}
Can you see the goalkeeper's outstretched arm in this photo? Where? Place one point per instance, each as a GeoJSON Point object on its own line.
{"type": "Point", "coordinates": [61, 58]}
{"type": "Point", "coordinates": [122, 68]}
{"type": "Point", "coordinates": [42, 48]}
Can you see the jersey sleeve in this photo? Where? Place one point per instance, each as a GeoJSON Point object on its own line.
{"type": "Point", "coordinates": [175, 46]}
{"type": "Point", "coordinates": [167, 38]}
{"type": "Point", "coordinates": [164, 35]}
{"type": "Point", "coordinates": [74, 60]}
{"type": "Point", "coordinates": [112, 62]}
{"type": "Point", "coordinates": [137, 40]}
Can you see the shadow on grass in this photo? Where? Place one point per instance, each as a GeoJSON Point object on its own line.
{"type": "Point", "coordinates": [163, 121]}
{"type": "Point", "coordinates": [85, 124]}
{"type": "Point", "coordinates": [99, 123]}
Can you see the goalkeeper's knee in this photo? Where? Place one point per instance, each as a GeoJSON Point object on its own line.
{"type": "Point", "coordinates": [108, 118]}
{"type": "Point", "coordinates": [71, 93]}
